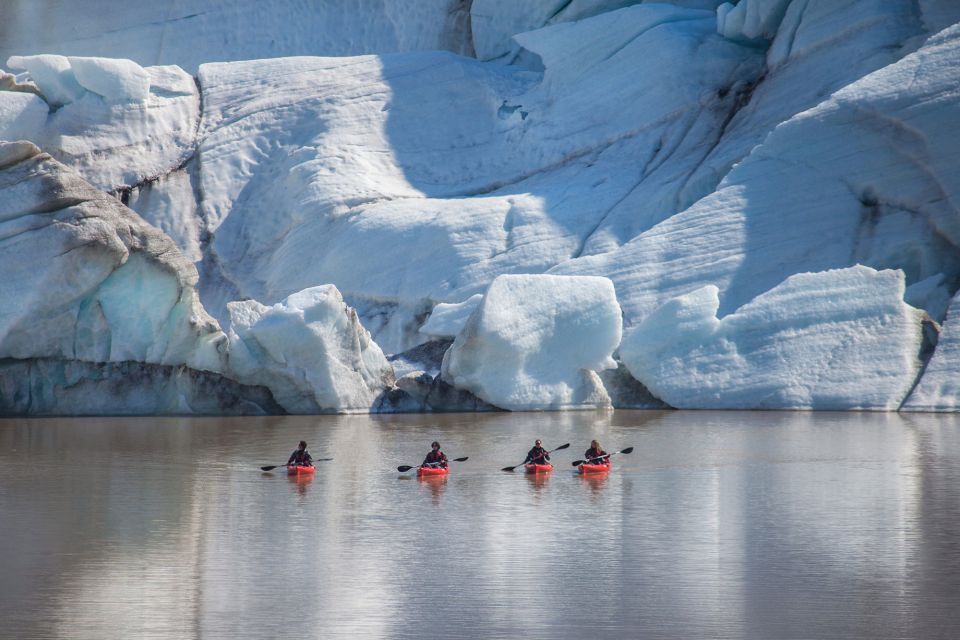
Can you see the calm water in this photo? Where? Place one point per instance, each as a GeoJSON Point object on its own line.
{"type": "Point", "coordinates": [719, 525]}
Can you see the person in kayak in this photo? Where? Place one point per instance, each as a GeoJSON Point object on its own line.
{"type": "Point", "coordinates": [435, 458]}
{"type": "Point", "coordinates": [595, 454]}
{"type": "Point", "coordinates": [537, 455]}
{"type": "Point", "coordinates": [301, 457]}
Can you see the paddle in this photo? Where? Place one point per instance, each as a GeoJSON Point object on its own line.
{"type": "Point", "coordinates": [563, 446]}
{"type": "Point", "coordinates": [406, 467]}
{"type": "Point", "coordinates": [577, 463]}
{"type": "Point", "coordinates": [274, 466]}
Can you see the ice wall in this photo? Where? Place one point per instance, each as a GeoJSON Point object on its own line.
{"type": "Point", "coordinates": [840, 339]}
{"type": "Point", "coordinates": [666, 146]}
{"type": "Point", "coordinates": [537, 342]}
{"type": "Point", "coordinates": [188, 33]}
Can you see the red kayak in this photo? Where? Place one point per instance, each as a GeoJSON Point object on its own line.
{"type": "Point", "coordinates": [432, 471]}
{"type": "Point", "coordinates": [595, 468]}
{"type": "Point", "coordinates": [538, 468]}
{"type": "Point", "coordinates": [297, 470]}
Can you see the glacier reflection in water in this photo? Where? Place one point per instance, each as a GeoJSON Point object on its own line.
{"type": "Point", "coordinates": [720, 524]}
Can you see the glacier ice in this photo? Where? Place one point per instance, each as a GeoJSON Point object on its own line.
{"type": "Point", "coordinates": [939, 387]}
{"type": "Point", "coordinates": [448, 319]}
{"type": "Point", "coordinates": [87, 279]}
{"type": "Point", "coordinates": [451, 172]}
{"type": "Point", "coordinates": [190, 32]}
{"type": "Point", "coordinates": [52, 74]}
{"type": "Point", "coordinates": [310, 350]}
{"type": "Point", "coordinates": [113, 144]}
{"type": "Point", "coordinates": [750, 19]}
{"type": "Point", "coordinates": [668, 147]}
{"type": "Point", "coordinates": [111, 78]}
{"type": "Point", "coordinates": [840, 339]}
{"type": "Point", "coordinates": [98, 301]}
{"type": "Point", "coordinates": [537, 342]}
{"type": "Point", "coordinates": [797, 205]}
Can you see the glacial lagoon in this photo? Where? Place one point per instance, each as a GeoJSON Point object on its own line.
{"type": "Point", "coordinates": [719, 525]}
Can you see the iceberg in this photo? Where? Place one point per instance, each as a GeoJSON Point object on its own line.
{"type": "Point", "coordinates": [537, 342]}
{"type": "Point", "coordinates": [310, 350]}
{"type": "Point", "coordinates": [841, 339]}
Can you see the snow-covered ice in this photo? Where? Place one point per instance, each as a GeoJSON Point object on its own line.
{"type": "Point", "coordinates": [537, 342]}
{"type": "Point", "coordinates": [840, 339]}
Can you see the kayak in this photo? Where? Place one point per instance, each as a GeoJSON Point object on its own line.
{"type": "Point", "coordinates": [432, 471]}
{"type": "Point", "coordinates": [297, 470]}
{"type": "Point", "coordinates": [595, 468]}
{"type": "Point", "coordinates": [538, 468]}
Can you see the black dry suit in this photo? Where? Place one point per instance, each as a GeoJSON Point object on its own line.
{"type": "Point", "coordinates": [301, 458]}
{"type": "Point", "coordinates": [537, 455]}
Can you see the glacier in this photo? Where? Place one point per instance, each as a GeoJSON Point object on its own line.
{"type": "Point", "coordinates": [360, 213]}
{"type": "Point", "coordinates": [538, 341]}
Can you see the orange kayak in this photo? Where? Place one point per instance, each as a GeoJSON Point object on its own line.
{"type": "Point", "coordinates": [595, 468]}
{"type": "Point", "coordinates": [297, 470]}
{"type": "Point", "coordinates": [432, 471]}
{"type": "Point", "coordinates": [538, 468]}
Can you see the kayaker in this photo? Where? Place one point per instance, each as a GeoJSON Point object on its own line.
{"type": "Point", "coordinates": [301, 457]}
{"type": "Point", "coordinates": [595, 454]}
{"type": "Point", "coordinates": [435, 458]}
{"type": "Point", "coordinates": [537, 455]}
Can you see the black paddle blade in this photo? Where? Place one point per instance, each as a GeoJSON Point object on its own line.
{"type": "Point", "coordinates": [270, 467]}
{"type": "Point", "coordinates": [322, 459]}
{"type": "Point", "coordinates": [404, 467]}
{"type": "Point", "coordinates": [463, 459]}
{"type": "Point", "coordinates": [627, 450]}
{"type": "Point", "coordinates": [577, 463]}
{"type": "Point", "coordinates": [563, 446]}
{"type": "Point", "coordinates": [509, 468]}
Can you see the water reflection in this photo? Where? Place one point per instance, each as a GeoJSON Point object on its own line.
{"type": "Point", "coordinates": [435, 485]}
{"type": "Point", "coordinates": [718, 525]}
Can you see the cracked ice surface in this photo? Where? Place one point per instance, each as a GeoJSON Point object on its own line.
{"type": "Point", "coordinates": [840, 339]}
{"type": "Point", "coordinates": [869, 176]}
{"type": "Point", "coordinates": [450, 172]}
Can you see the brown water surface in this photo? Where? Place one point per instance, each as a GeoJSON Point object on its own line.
{"type": "Point", "coordinates": [719, 525]}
